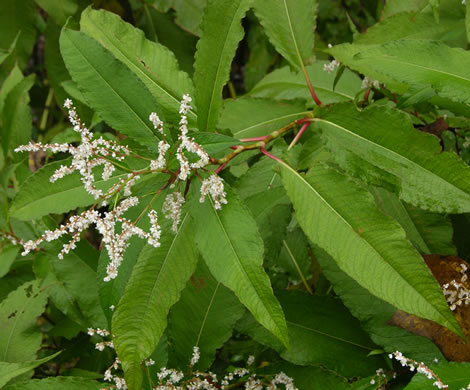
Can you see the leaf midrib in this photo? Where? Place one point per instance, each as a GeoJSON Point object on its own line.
{"type": "Point", "coordinates": [310, 187]}
{"type": "Point", "coordinates": [438, 71]}
{"type": "Point", "coordinates": [141, 71]}
{"type": "Point", "coordinates": [387, 150]}
{"type": "Point", "coordinates": [113, 89]}
{"type": "Point", "coordinates": [147, 314]}
{"type": "Point", "coordinates": [209, 111]}
{"type": "Point", "coordinates": [209, 306]}
{"type": "Point", "coordinates": [240, 265]}
{"type": "Point", "coordinates": [329, 335]}
{"type": "Point", "coordinates": [266, 122]}
{"type": "Point", "coordinates": [296, 85]}
{"type": "Point", "coordinates": [301, 63]}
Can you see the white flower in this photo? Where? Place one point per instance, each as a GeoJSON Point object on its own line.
{"type": "Point", "coordinates": [331, 67]}
{"type": "Point", "coordinates": [172, 208]}
{"type": "Point", "coordinates": [215, 187]}
{"type": "Point", "coordinates": [369, 83]}
{"type": "Point", "coordinates": [195, 357]}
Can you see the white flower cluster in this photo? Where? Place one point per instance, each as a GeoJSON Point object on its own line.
{"type": "Point", "coordinates": [380, 377]}
{"type": "Point", "coordinates": [188, 144]}
{"type": "Point", "coordinates": [331, 67]}
{"type": "Point", "coordinates": [119, 382]}
{"type": "Point", "coordinates": [457, 293]}
{"type": "Point", "coordinates": [115, 242]}
{"type": "Point", "coordinates": [86, 156]}
{"type": "Point", "coordinates": [215, 187]}
{"type": "Point", "coordinates": [420, 368]}
{"type": "Point", "coordinates": [369, 83]}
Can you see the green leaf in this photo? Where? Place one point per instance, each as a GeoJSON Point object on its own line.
{"type": "Point", "coordinates": [38, 197]}
{"type": "Point", "coordinates": [13, 79]}
{"type": "Point", "coordinates": [59, 10]}
{"type": "Point", "coordinates": [20, 338]}
{"type": "Point", "coordinates": [374, 314]}
{"type": "Point", "coordinates": [248, 117]}
{"type": "Point", "coordinates": [12, 370]}
{"type": "Point", "coordinates": [154, 64]}
{"type": "Point", "coordinates": [321, 332]}
{"type": "Point", "coordinates": [413, 62]}
{"type": "Point", "coordinates": [428, 232]}
{"type": "Point", "coordinates": [189, 14]}
{"type": "Point", "coordinates": [18, 16]}
{"type": "Point", "coordinates": [289, 25]}
{"type": "Point", "coordinates": [74, 271]}
{"type": "Point", "coordinates": [467, 20]}
{"type": "Point", "coordinates": [17, 120]}
{"type": "Point", "coordinates": [283, 84]}
{"type": "Point", "coordinates": [232, 248]}
{"type": "Point", "coordinates": [414, 25]}
{"type": "Point", "coordinates": [379, 145]}
{"type": "Point", "coordinates": [116, 94]}
{"type": "Point", "coordinates": [221, 33]}
{"type": "Point", "coordinates": [453, 374]}
{"type": "Point", "coordinates": [155, 285]}
{"type": "Point", "coordinates": [7, 257]}
{"type": "Point", "coordinates": [212, 310]}
{"type": "Point", "coordinates": [57, 383]}
{"type": "Point", "coordinates": [341, 217]}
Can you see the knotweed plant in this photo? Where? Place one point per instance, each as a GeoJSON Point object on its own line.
{"type": "Point", "coordinates": [115, 229]}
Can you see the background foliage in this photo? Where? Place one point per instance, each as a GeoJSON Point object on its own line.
{"type": "Point", "coordinates": [315, 264]}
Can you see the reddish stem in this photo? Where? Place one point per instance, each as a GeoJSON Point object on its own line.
{"type": "Point", "coordinates": [299, 134]}
{"type": "Point", "coordinates": [366, 96]}
{"type": "Point", "coordinates": [219, 168]}
{"type": "Point", "coordinates": [266, 153]}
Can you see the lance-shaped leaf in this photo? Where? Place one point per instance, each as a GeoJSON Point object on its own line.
{"type": "Point", "coordinates": [341, 217]}
{"type": "Point", "coordinates": [212, 310]}
{"type": "Point", "coordinates": [250, 117]}
{"type": "Point", "coordinates": [152, 62]}
{"type": "Point", "coordinates": [416, 63]}
{"type": "Point", "coordinates": [289, 25]}
{"type": "Point", "coordinates": [116, 94]}
{"type": "Point", "coordinates": [20, 338]}
{"type": "Point", "coordinates": [283, 84]}
{"type": "Point", "coordinates": [9, 371]}
{"type": "Point", "coordinates": [456, 375]}
{"type": "Point", "coordinates": [221, 33]}
{"type": "Point", "coordinates": [379, 145]}
{"type": "Point", "coordinates": [231, 245]}
{"type": "Point", "coordinates": [322, 332]}
{"type": "Point", "coordinates": [38, 197]}
{"type": "Point", "coordinates": [157, 280]}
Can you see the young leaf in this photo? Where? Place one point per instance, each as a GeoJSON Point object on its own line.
{"type": "Point", "coordinates": [341, 217]}
{"type": "Point", "coordinates": [322, 332]}
{"type": "Point", "coordinates": [12, 370]}
{"type": "Point", "coordinates": [289, 25]}
{"type": "Point", "coordinates": [153, 63]}
{"type": "Point", "coordinates": [231, 246]}
{"type": "Point", "coordinates": [57, 383]}
{"type": "Point", "coordinates": [157, 280]}
{"type": "Point", "coordinates": [110, 87]}
{"type": "Point", "coordinates": [38, 197]}
{"type": "Point", "coordinates": [20, 338]}
{"type": "Point", "coordinates": [248, 117]}
{"type": "Point", "coordinates": [379, 145]}
{"type": "Point", "coordinates": [413, 62]}
{"type": "Point", "coordinates": [212, 310]}
{"type": "Point", "coordinates": [221, 33]}
{"type": "Point", "coordinates": [283, 84]}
